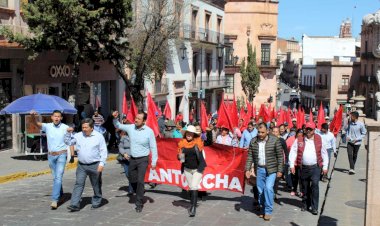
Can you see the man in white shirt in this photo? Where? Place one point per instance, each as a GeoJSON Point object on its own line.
{"type": "Point", "coordinates": [311, 155]}
{"type": "Point", "coordinates": [329, 142]}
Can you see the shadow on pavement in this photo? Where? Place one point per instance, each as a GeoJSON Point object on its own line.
{"type": "Point", "coordinates": [327, 221]}
{"type": "Point", "coordinates": [87, 201]}
{"type": "Point", "coordinates": [181, 203]}
{"type": "Point", "coordinates": [294, 224]}
{"type": "Point", "coordinates": [29, 158]}
{"type": "Point", "coordinates": [65, 197]}
{"type": "Point", "coordinates": [341, 170]}
{"type": "Point", "coordinates": [287, 201]}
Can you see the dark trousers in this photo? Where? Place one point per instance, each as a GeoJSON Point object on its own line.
{"type": "Point", "coordinates": [137, 169]}
{"type": "Point", "coordinates": [296, 180]}
{"type": "Point", "coordinates": [352, 151]}
{"type": "Point", "coordinates": [84, 170]}
{"type": "Point", "coordinates": [310, 185]}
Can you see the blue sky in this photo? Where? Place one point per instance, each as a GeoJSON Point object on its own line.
{"type": "Point", "coordinates": [321, 17]}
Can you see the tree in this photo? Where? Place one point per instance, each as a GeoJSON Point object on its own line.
{"type": "Point", "coordinates": [154, 32]}
{"type": "Point", "coordinates": [88, 31]}
{"type": "Point", "coordinates": [250, 74]}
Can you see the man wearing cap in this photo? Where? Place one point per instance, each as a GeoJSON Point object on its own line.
{"type": "Point", "coordinates": [247, 135]}
{"type": "Point", "coordinates": [294, 123]}
{"type": "Point", "coordinates": [310, 154]}
{"type": "Point", "coordinates": [169, 126]}
{"type": "Point", "coordinates": [327, 120]}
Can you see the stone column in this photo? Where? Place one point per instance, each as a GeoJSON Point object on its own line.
{"type": "Point", "coordinates": [372, 208]}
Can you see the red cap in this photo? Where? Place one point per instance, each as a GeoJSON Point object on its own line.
{"type": "Point", "coordinates": [310, 125]}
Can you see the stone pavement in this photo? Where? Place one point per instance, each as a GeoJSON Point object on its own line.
{"type": "Point", "coordinates": [26, 202]}
{"type": "Point", "coordinates": [345, 200]}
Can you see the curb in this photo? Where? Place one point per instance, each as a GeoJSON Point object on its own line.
{"type": "Point", "coordinates": [23, 174]}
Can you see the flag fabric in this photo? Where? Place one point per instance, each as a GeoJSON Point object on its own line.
{"type": "Point", "coordinates": [132, 111]}
{"type": "Point", "coordinates": [300, 118]}
{"type": "Point", "coordinates": [311, 117]}
{"type": "Point", "coordinates": [289, 118]}
{"type": "Point", "coordinates": [225, 167]}
{"type": "Point", "coordinates": [281, 117]}
{"type": "Point", "coordinates": [168, 111]}
{"type": "Point", "coordinates": [234, 114]}
{"type": "Point", "coordinates": [336, 123]}
{"type": "Point", "coordinates": [151, 121]}
{"type": "Point", "coordinates": [124, 105]}
{"type": "Point", "coordinates": [321, 116]}
{"type": "Point", "coordinates": [204, 118]}
{"type": "Point", "coordinates": [263, 112]}
{"type": "Point", "coordinates": [224, 119]}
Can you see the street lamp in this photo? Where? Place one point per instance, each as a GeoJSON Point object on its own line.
{"type": "Point", "coordinates": [220, 49]}
{"type": "Point", "coordinates": [183, 50]}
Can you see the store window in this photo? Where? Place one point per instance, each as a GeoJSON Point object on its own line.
{"type": "Point", "coordinates": [230, 84]}
{"type": "Point", "coordinates": [5, 65]}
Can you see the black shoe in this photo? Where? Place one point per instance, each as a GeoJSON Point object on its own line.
{"type": "Point", "coordinates": [73, 208]}
{"type": "Point", "coordinates": [138, 209]}
{"type": "Point", "coordinates": [314, 212]}
{"type": "Point", "coordinates": [95, 206]}
{"type": "Point", "coordinates": [193, 199]}
{"type": "Point", "coordinates": [303, 209]}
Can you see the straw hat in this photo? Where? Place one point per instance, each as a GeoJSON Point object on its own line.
{"type": "Point", "coordinates": [191, 129]}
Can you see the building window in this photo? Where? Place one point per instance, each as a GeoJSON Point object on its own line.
{"type": "Point", "coordinates": [5, 65]}
{"type": "Point", "coordinates": [207, 27]}
{"type": "Point", "coordinates": [345, 80]}
{"type": "Point", "coordinates": [366, 46]}
{"type": "Point", "coordinates": [194, 23]}
{"type": "Point", "coordinates": [230, 83]}
{"type": "Point", "coordinates": [365, 69]}
{"type": "Point", "coordinates": [325, 79]}
{"type": "Point", "coordinates": [195, 64]}
{"type": "Point", "coordinates": [320, 78]}
{"type": "Point", "coordinates": [265, 54]}
{"type": "Point", "coordinates": [208, 63]}
{"type": "Point", "coordinates": [4, 3]}
{"type": "Point", "coordinates": [219, 29]}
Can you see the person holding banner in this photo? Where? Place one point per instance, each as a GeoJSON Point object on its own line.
{"type": "Point", "coordinates": [143, 142]}
{"type": "Point", "coordinates": [265, 152]}
{"type": "Point", "coordinates": [190, 153]}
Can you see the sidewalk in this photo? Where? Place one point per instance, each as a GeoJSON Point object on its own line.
{"type": "Point", "coordinates": [16, 166]}
{"type": "Point", "coordinates": [345, 200]}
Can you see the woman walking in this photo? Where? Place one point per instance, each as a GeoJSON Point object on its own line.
{"type": "Point", "coordinates": [190, 153]}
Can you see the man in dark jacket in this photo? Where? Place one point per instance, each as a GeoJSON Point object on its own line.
{"type": "Point", "coordinates": [265, 152]}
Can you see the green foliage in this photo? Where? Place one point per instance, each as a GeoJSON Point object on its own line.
{"type": "Point", "coordinates": [250, 74]}
{"type": "Point", "coordinates": [88, 30]}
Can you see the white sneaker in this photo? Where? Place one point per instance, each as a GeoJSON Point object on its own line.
{"type": "Point", "coordinates": [54, 205]}
{"type": "Point", "coordinates": [351, 172]}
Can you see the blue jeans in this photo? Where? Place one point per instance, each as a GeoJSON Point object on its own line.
{"type": "Point", "coordinates": [265, 185]}
{"type": "Point", "coordinates": [126, 167]}
{"type": "Point", "coordinates": [57, 166]}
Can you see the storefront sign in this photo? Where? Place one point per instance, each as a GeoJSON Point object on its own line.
{"type": "Point", "coordinates": [57, 71]}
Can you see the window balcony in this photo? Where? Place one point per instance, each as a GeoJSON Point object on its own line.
{"type": "Point", "coordinates": [321, 86]}
{"type": "Point", "coordinates": [201, 34]}
{"type": "Point", "coordinates": [306, 88]}
{"type": "Point", "coordinates": [213, 82]}
{"type": "Point", "coordinates": [343, 89]}
{"type": "Point", "coordinates": [272, 63]}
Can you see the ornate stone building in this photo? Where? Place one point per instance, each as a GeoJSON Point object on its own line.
{"type": "Point", "coordinates": [370, 64]}
{"type": "Point", "coordinates": [257, 21]}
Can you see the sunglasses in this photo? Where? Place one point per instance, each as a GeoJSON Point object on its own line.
{"type": "Point", "coordinates": [309, 129]}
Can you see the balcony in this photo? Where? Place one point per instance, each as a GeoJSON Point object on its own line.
{"type": "Point", "coordinates": [321, 86]}
{"type": "Point", "coordinates": [343, 89]}
{"type": "Point", "coordinates": [368, 79]}
{"type": "Point", "coordinates": [161, 87]}
{"type": "Point", "coordinates": [209, 83]}
{"type": "Point", "coordinates": [201, 34]}
{"type": "Point", "coordinates": [273, 63]}
{"type": "Point", "coordinates": [367, 55]}
{"type": "Point", "coordinates": [306, 88]}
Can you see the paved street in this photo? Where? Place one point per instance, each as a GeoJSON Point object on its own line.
{"type": "Point", "coordinates": [26, 202]}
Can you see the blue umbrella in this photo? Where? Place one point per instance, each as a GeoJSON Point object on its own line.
{"type": "Point", "coordinates": [41, 103]}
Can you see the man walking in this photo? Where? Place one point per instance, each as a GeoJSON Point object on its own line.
{"type": "Point", "coordinates": [356, 132]}
{"type": "Point", "coordinates": [265, 152]}
{"type": "Point", "coordinates": [143, 141]}
{"type": "Point", "coordinates": [92, 156]}
{"type": "Point", "coordinates": [247, 135]}
{"type": "Point", "coordinates": [329, 141]}
{"type": "Point", "coordinates": [57, 151]}
{"type": "Point", "coordinates": [310, 154]}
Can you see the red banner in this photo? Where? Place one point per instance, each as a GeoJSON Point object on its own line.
{"type": "Point", "coordinates": [224, 171]}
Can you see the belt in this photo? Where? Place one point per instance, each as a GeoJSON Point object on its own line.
{"type": "Point", "coordinates": [139, 157]}
{"type": "Point", "coordinates": [89, 164]}
{"type": "Point", "coordinates": [262, 166]}
{"type": "Point", "coordinates": [54, 153]}
{"type": "Point", "coordinates": [309, 166]}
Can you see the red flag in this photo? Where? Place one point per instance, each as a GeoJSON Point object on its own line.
{"type": "Point", "coordinates": [336, 123]}
{"type": "Point", "coordinates": [254, 112]}
{"type": "Point", "coordinates": [289, 118]}
{"type": "Point", "coordinates": [152, 120]}
{"type": "Point", "coordinates": [168, 111]}
{"type": "Point", "coordinates": [281, 117]}
{"type": "Point", "coordinates": [234, 114]}
{"type": "Point", "coordinates": [204, 119]}
{"type": "Point", "coordinates": [124, 105]}
{"type": "Point", "coordinates": [300, 118]}
{"type": "Point", "coordinates": [224, 119]}
{"type": "Point", "coordinates": [311, 117]}
{"type": "Point", "coordinates": [321, 116]}
{"type": "Point", "coordinates": [132, 112]}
